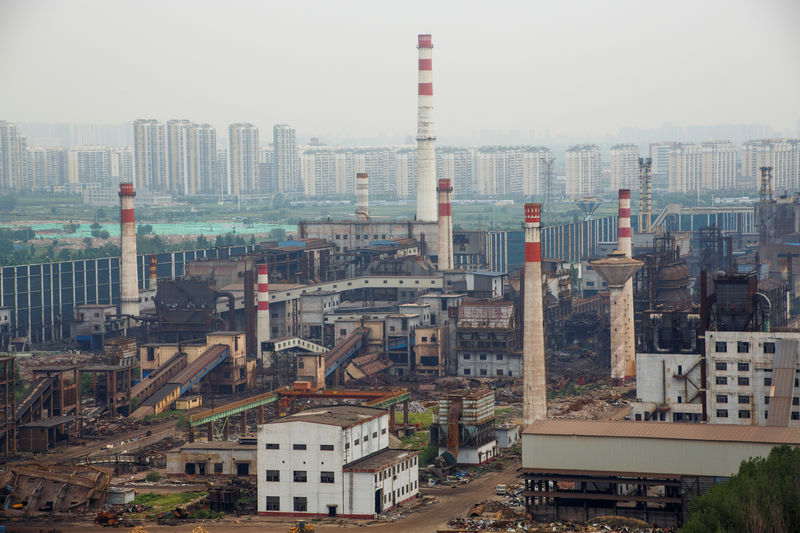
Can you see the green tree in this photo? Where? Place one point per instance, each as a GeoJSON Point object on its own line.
{"type": "Point", "coordinates": [96, 225]}
{"type": "Point", "coordinates": [277, 234]}
{"type": "Point", "coordinates": [104, 234]}
{"type": "Point", "coordinates": [145, 229]}
{"type": "Point", "coordinates": [763, 496]}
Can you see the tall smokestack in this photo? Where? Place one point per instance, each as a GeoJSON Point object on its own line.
{"type": "Point", "coordinates": [645, 195]}
{"type": "Point", "coordinates": [263, 306]}
{"type": "Point", "coordinates": [426, 139]}
{"type": "Point", "coordinates": [534, 395]}
{"type": "Point", "coordinates": [625, 245]}
{"type": "Point", "coordinates": [445, 225]}
{"type": "Point", "coordinates": [362, 197]}
{"type": "Point", "coordinates": [129, 277]}
{"type": "Point", "coordinates": [617, 270]}
{"type": "Point", "coordinates": [152, 271]}
{"type": "Point", "coordinates": [766, 185]}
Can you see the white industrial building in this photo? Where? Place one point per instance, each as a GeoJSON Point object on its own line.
{"type": "Point", "coordinates": [750, 373]}
{"type": "Point", "coordinates": [332, 461]}
{"type": "Point", "coordinates": [647, 470]}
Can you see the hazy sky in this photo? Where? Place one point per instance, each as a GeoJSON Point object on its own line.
{"type": "Point", "coordinates": [573, 67]}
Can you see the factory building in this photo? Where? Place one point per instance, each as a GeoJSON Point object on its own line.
{"type": "Point", "coordinates": [463, 426]}
{"type": "Point", "coordinates": [488, 342]}
{"type": "Point", "coordinates": [332, 461]}
{"type": "Point", "coordinates": [579, 469]}
{"type": "Point", "coordinates": [223, 459]}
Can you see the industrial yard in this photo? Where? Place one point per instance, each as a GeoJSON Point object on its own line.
{"type": "Point", "coordinates": [605, 366]}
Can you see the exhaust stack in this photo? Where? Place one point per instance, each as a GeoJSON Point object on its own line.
{"type": "Point", "coordinates": [617, 270]}
{"type": "Point", "coordinates": [426, 139]}
{"type": "Point", "coordinates": [445, 239]}
{"type": "Point", "coordinates": [766, 185]}
{"type": "Point", "coordinates": [362, 197]}
{"type": "Point", "coordinates": [263, 306]}
{"type": "Point", "coordinates": [534, 398]}
{"type": "Point", "coordinates": [645, 195]}
{"type": "Point", "coordinates": [128, 272]}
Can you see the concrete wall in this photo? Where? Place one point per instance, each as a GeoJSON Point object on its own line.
{"type": "Point", "coordinates": [349, 445]}
{"type": "Point", "coordinates": [177, 459]}
{"type": "Point", "coordinates": [654, 371]}
{"type": "Point", "coordinates": [510, 364]}
{"type": "Point", "coordinates": [475, 455]}
{"type": "Point", "coordinates": [725, 382]}
{"type": "Point", "coordinates": [620, 454]}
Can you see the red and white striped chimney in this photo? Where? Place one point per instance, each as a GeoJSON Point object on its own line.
{"type": "Point", "coordinates": [445, 240]}
{"type": "Point", "coordinates": [128, 271]}
{"type": "Point", "coordinates": [624, 225]}
{"type": "Point", "coordinates": [426, 138]}
{"type": "Point", "coordinates": [534, 392]}
{"type": "Point", "coordinates": [262, 317]}
{"type": "Point", "coordinates": [628, 350]}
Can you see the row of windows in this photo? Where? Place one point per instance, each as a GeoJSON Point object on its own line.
{"type": "Point", "coordinates": [391, 471]}
{"type": "Point", "coordinates": [484, 372]}
{"type": "Point", "coordinates": [402, 491]}
{"type": "Point", "coordinates": [745, 398]}
{"type": "Point", "coordinates": [723, 413]}
{"type": "Point", "coordinates": [276, 446]}
{"type": "Point", "coordinates": [358, 236]}
{"type": "Point", "coordinates": [300, 504]}
{"type": "Point", "coordinates": [482, 357]}
{"type": "Point", "coordinates": [299, 476]}
{"type": "Point", "coordinates": [743, 347]}
{"type": "Point", "coordinates": [365, 438]}
{"type": "Point", "coordinates": [745, 381]}
{"type": "Point", "coordinates": [741, 367]}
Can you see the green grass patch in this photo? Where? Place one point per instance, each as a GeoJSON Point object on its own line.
{"type": "Point", "coordinates": [417, 441]}
{"type": "Point", "coordinates": [162, 503]}
{"type": "Point", "coordinates": [425, 418]}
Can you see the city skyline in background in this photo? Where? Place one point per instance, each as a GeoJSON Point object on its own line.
{"type": "Point", "coordinates": [519, 73]}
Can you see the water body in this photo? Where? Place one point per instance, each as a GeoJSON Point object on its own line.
{"type": "Point", "coordinates": [208, 229]}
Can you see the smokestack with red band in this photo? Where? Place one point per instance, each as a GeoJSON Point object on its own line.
{"type": "Point", "coordinates": [263, 306]}
{"type": "Point", "coordinates": [362, 197]}
{"type": "Point", "coordinates": [534, 399]}
{"type": "Point", "coordinates": [128, 272]}
{"type": "Point", "coordinates": [624, 244]}
{"type": "Point", "coordinates": [152, 271]}
{"type": "Point", "coordinates": [445, 239]}
{"type": "Point", "coordinates": [426, 138]}
{"type": "Point", "coordinates": [624, 228]}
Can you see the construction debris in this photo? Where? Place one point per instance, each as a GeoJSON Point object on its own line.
{"type": "Point", "coordinates": [30, 489]}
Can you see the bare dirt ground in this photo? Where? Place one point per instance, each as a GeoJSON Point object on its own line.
{"type": "Point", "coordinates": [451, 502]}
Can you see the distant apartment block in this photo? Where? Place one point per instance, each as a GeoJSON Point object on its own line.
{"type": "Point", "coordinates": [783, 155]}
{"type": "Point", "coordinates": [285, 160]}
{"type": "Point", "coordinates": [13, 164]}
{"type": "Point", "coordinates": [583, 170]}
{"type": "Point", "coordinates": [243, 153]}
{"type": "Point", "coordinates": [624, 167]}
{"type": "Point", "coordinates": [89, 164]}
{"type": "Point", "coordinates": [150, 160]}
{"type": "Point", "coordinates": [709, 166]}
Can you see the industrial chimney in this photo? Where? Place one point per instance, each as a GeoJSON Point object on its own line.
{"type": "Point", "coordinates": [263, 306]}
{"type": "Point", "coordinates": [445, 239]}
{"type": "Point", "coordinates": [617, 270]}
{"type": "Point", "coordinates": [426, 139]}
{"type": "Point", "coordinates": [362, 197]}
{"type": "Point", "coordinates": [534, 393]}
{"type": "Point", "coordinates": [128, 273]}
{"type": "Point", "coordinates": [766, 185]}
{"type": "Point", "coordinates": [645, 195]}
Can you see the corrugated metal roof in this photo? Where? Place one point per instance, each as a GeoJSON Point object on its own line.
{"type": "Point", "coordinates": [665, 430]}
{"type": "Point", "coordinates": [334, 415]}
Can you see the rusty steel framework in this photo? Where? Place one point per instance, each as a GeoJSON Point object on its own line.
{"type": "Point", "coordinates": [8, 439]}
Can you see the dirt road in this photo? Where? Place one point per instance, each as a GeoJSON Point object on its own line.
{"type": "Point", "coordinates": [452, 502]}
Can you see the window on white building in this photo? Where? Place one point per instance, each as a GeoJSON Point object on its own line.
{"type": "Point", "coordinates": [326, 477]}
{"type": "Point", "coordinates": [272, 446]}
{"type": "Point", "coordinates": [326, 447]}
{"type": "Point", "coordinates": [722, 413]}
{"type": "Point", "coordinates": [273, 503]}
{"type": "Point", "coordinates": [300, 476]}
{"type": "Point", "coordinates": [298, 446]}
{"type": "Point", "coordinates": [273, 475]}
{"type": "Point", "coordinates": [300, 504]}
